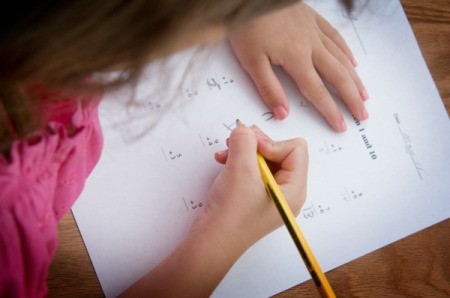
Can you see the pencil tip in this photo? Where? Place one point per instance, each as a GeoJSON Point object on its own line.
{"type": "Point", "coordinates": [239, 123]}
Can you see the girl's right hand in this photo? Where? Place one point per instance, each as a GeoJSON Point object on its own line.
{"type": "Point", "coordinates": [238, 213]}
{"type": "Point", "coordinates": [238, 205]}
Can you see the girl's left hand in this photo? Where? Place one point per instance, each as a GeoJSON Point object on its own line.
{"type": "Point", "coordinates": [308, 48]}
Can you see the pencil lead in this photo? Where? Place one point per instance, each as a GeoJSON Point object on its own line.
{"type": "Point", "coordinates": [239, 123]}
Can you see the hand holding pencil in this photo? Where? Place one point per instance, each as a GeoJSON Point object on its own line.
{"type": "Point", "coordinates": [289, 220]}
{"type": "Point", "coordinates": [276, 194]}
{"type": "Point", "coordinates": [239, 185]}
{"type": "Point", "coordinates": [238, 212]}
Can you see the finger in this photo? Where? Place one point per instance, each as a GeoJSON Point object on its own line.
{"type": "Point", "coordinates": [269, 87]}
{"type": "Point", "coordinates": [336, 37]}
{"type": "Point", "coordinates": [311, 85]}
{"type": "Point", "coordinates": [259, 133]}
{"type": "Point", "coordinates": [292, 157]}
{"type": "Point", "coordinates": [335, 73]}
{"type": "Point", "coordinates": [221, 156]}
{"type": "Point", "coordinates": [340, 56]}
{"type": "Point", "coordinates": [292, 175]}
{"type": "Point", "coordinates": [242, 150]}
{"type": "Point", "coordinates": [264, 143]}
{"type": "Point", "coordinates": [278, 151]}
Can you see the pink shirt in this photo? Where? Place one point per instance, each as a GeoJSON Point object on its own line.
{"type": "Point", "coordinates": [38, 185]}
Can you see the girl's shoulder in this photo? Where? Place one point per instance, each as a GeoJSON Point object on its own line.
{"type": "Point", "coordinates": [57, 158]}
{"type": "Point", "coordinates": [39, 182]}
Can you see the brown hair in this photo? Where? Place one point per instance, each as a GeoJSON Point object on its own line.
{"type": "Point", "coordinates": [58, 44]}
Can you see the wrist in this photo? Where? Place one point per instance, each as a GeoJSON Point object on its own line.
{"type": "Point", "coordinates": [195, 267]}
{"type": "Point", "coordinates": [223, 240]}
{"type": "Point", "coordinates": [231, 237]}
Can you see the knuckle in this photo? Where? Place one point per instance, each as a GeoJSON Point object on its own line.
{"type": "Point", "coordinates": [300, 142]}
{"type": "Point", "coordinates": [242, 132]}
{"type": "Point", "coordinates": [299, 145]}
{"type": "Point", "coordinates": [342, 58]}
{"type": "Point", "coordinates": [254, 61]}
{"type": "Point", "coordinates": [302, 147]}
{"type": "Point", "coordinates": [298, 50]}
{"type": "Point", "coordinates": [341, 76]}
{"type": "Point", "coordinates": [333, 32]}
{"type": "Point", "coordinates": [298, 203]}
{"type": "Point", "coordinates": [270, 151]}
{"type": "Point", "coordinates": [250, 62]}
{"type": "Point", "coordinates": [335, 35]}
{"type": "Point", "coordinates": [270, 93]}
{"type": "Point", "coordinates": [321, 94]}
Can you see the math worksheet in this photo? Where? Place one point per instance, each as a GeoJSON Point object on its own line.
{"type": "Point", "coordinates": [383, 179]}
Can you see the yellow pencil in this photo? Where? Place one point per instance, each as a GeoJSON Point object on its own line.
{"type": "Point", "coordinates": [289, 220]}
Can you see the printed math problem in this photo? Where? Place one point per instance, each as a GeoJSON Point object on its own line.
{"type": "Point", "coordinates": [329, 149]}
{"type": "Point", "coordinates": [170, 155]}
{"type": "Point", "coordinates": [192, 205]}
{"type": "Point", "coordinates": [313, 210]}
{"type": "Point", "coordinates": [214, 83]}
{"type": "Point", "coordinates": [351, 195]}
{"type": "Point", "coordinates": [208, 141]}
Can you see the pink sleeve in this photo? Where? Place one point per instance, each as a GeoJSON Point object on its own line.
{"type": "Point", "coordinates": [28, 225]}
{"type": "Point", "coordinates": [38, 185]}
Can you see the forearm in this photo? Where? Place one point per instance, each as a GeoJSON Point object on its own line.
{"type": "Point", "coordinates": [194, 269]}
{"type": "Point", "coordinates": [237, 214]}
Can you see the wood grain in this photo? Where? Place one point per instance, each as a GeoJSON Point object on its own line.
{"type": "Point", "coordinates": [416, 266]}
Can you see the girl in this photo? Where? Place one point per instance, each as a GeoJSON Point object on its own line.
{"type": "Point", "coordinates": [51, 139]}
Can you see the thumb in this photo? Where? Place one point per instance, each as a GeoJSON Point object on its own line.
{"type": "Point", "coordinates": [242, 148]}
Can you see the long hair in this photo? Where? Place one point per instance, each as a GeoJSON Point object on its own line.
{"type": "Point", "coordinates": [58, 44]}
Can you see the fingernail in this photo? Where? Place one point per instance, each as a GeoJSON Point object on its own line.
{"type": "Point", "coordinates": [258, 131]}
{"type": "Point", "coordinates": [262, 140]}
{"type": "Point", "coordinates": [221, 153]}
{"type": "Point", "coordinates": [227, 141]}
{"type": "Point", "coordinates": [261, 136]}
{"type": "Point", "coordinates": [343, 126]}
{"type": "Point", "coordinates": [355, 64]}
{"type": "Point", "coordinates": [280, 112]}
{"type": "Point", "coordinates": [364, 95]}
{"type": "Point", "coordinates": [364, 115]}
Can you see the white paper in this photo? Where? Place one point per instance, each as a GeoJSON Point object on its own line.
{"type": "Point", "coordinates": [383, 179]}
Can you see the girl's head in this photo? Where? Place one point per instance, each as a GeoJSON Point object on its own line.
{"type": "Point", "coordinates": [58, 44]}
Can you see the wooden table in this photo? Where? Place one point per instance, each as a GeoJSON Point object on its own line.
{"type": "Point", "coordinates": [418, 265]}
